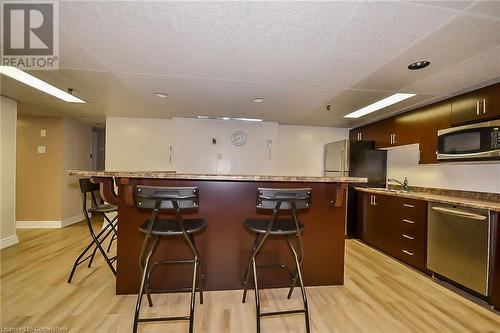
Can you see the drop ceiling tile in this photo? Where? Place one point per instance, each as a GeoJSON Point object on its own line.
{"type": "Point", "coordinates": [491, 8]}
{"type": "Point", "coordinates": [352, 100]}
{"type": "Point", "coordinates": [459, 40]}
{"type": "Point", "coordinates": [455, 4]}
{"type": "Point", "coordinates": [484, 67]}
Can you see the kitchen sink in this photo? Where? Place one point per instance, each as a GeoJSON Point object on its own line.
{"type": "Point", "coordinates": [387, 190]}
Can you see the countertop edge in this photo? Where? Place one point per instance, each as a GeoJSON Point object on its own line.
{"type": "Point", "coordinates": [222, 177]}
{"type": "Point", "coordinates": [471, 203]}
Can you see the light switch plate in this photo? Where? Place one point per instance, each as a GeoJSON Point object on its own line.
{"type": "Point", "coordinates": [41, 149]}
{"type": "Point", "coordinates": [43, 133]}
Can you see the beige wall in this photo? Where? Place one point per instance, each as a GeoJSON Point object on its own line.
{"type": "Point", "coordinates": [39, 175]}
{"type": "Point", "coordinates": [76, 155]}
{"type": "Point", "coordinates": [8, 115]}
{"type": "Point", "coordinates": [143, 144]}
{"type": "Point", "coordinates": [45, 192]}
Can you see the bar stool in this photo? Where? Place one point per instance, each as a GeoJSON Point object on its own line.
{"type": "Point", "coordinates": [97, 207]}
{"type": "Point", "coordinates": [278, 200]}
{"type": "Point", "coordinates": [176, 200]}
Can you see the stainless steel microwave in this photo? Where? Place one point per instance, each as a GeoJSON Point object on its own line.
{"type": "Point", "coordinates": [476, 141]}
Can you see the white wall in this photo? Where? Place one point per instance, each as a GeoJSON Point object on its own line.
{"type": "Point", "coordinates": [137, 144]}
{"type": "Point", "coordinates": [143, 144]}
{"type": "Point", "coordinates": [481, 177]}
{"type": "Point", "coordinates": [8, 119]}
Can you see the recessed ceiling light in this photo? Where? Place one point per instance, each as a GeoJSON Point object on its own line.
{"type": "Point", "coordinates": [248, 119]}
{"type": "Point", "coordinates": [393, 99]}
{"type": "Point", "coordinates": [36, 83]}
{"type": "Point", "coordinates": [258, 100]}
{"type": "Point", "coordinates": [231, 118]}
{"type": "Point", "coordinates": [161, 95]}
{"type": "Point", "coordinates": [418, 64]}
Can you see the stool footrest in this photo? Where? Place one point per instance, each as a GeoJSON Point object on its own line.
{"type": "Point", "coordinates": [284, 312]}
{"type": "Point", "coordinates": [164, 319]}
{"type": "Point", "coordinates": [168, 262]}
{"type": "Point", "coordinates": [170, 291]}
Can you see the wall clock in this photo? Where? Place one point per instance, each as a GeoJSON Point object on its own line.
{"type": "Point", "coordinates": [239, 138]}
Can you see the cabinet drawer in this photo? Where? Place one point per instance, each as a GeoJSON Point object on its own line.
{"type": "Point", "coordinates": [414, 210]}
{"type": "Point", "coordinates": [413, 258]}
{"type": "Point", "coordinates": [414, 228]}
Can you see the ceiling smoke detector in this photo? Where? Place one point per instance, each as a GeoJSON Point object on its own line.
{"type": "Point", "coordinates": [418, 65]}
{"type": "Point", "coordinates": [161, 95]}
{"type": "Point", "coordinates": [258, 100]}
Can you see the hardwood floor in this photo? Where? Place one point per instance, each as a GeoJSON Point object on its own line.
{"type": "Point", "coordinates": [379, 295]}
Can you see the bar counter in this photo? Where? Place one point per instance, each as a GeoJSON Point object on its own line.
{"type": "Point", "coordinates": [225, 202]}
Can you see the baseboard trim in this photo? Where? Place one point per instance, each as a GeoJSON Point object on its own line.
{"type": "Point", "coordinates": [72, 220]}
{"type": "Point", "coordinates": [38, 224]}
{"type": "Point", "coordinates": [49, 224]}
{"type": "Point", "coordinates": [8, 241]}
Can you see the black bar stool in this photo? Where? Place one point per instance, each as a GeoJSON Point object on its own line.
{"type": "Point", "coordinates": [97, 207]}
{"type": "Point", "coordinates": [278, 200]}
{"type": "Point", "coordinates": [176, 199]}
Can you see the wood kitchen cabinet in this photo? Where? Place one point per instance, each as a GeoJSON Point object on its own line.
{"type": "Point", "coordinates": [380, 132]}
{"type": "Point", "coordinates": [432, 119]}
{"type": "Point", "coordinates": [477, 105]}
{"type": "Point", "coordinates": [395, 225]}
{"type": "Point", "coordinates": [421, 125]}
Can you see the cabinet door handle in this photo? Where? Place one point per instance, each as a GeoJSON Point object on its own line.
{"type": "Point", "coordinates": [477, 107]}
{"type": "Point", "coordinates": [408, 237]}
{"type": "Point", "coordinates": [371, 200]}
{"type": "Point", "coordinates": [484, 105]}
{"type": "Point", "coordinates": [408, 221]}
{"type": "Point", "coordinates": [360, 136]}
{"type": "Point", "coordinates": [408, 205]}
{"type": "Point", "coordinates": [374, 200]}
{"type": "Point", "coordinates": [408, 252]}
{"type": "Point", "coordinates": [394, 138]}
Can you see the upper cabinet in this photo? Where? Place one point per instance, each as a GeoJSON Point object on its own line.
{"type": "Point", "coordinates": [421, 125]}
{"type": "Point", "coordinates": [477, 105]}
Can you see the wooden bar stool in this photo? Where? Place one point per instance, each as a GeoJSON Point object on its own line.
{"type": "Point", "coordinates": [279, 200]}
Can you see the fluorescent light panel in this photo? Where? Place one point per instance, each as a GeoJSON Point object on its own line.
{"type": "Point", "coordinates": [36, 83]}
{"type": "Point", "coordinates": [393, 99]}
{"type": "Point", "coordinates": [231, 118]}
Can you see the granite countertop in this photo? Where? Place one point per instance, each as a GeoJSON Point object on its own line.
{"type": "Point", "coordinates": [193, 176]}
{"type": "Point", "coordinates": [460, 200]}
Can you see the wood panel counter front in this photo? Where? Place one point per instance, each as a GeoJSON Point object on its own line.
{"type": "Point", "coordinates": [225, 202]}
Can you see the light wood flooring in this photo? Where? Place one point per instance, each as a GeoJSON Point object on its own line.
{"type": "Point", "coordinates": [379, 295]}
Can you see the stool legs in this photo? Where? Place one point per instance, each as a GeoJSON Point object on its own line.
{"type": "Point", "coordinates": [96, 241]}
{"type": "Point", "coordinates": [257, 299]}
{"type": "Point", "coordinates": [145, 272]}
{"type": "Point", "coordinates": [249, 266]}
{"type": "Point", "coordinates": [301, 282]}
{"type": "Point", "coordinates": [146, 269]}
{"type": "Point", "coordinates": [296, 277]}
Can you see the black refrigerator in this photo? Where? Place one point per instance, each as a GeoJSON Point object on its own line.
{"type": "Point", "coordinates": [356, 159]}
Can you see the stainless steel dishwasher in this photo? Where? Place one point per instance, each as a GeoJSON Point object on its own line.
{"type": "Point", "coordinates": [459, 245]}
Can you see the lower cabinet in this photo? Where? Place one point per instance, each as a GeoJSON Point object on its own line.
{"type": "Point", "coordinates": [394, 225]}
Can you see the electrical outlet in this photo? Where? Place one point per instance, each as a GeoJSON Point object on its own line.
{"type": "Point", "coordinates": [43, 133]}
{"type": "Point", "coordinates": [41, 149]}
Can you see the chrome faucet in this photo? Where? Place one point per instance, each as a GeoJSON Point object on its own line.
{"type": "Point", "coordinates": [404, 184]}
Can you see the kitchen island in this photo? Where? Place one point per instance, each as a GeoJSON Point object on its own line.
{"type": "Point", "coordinates": [225, 202]}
